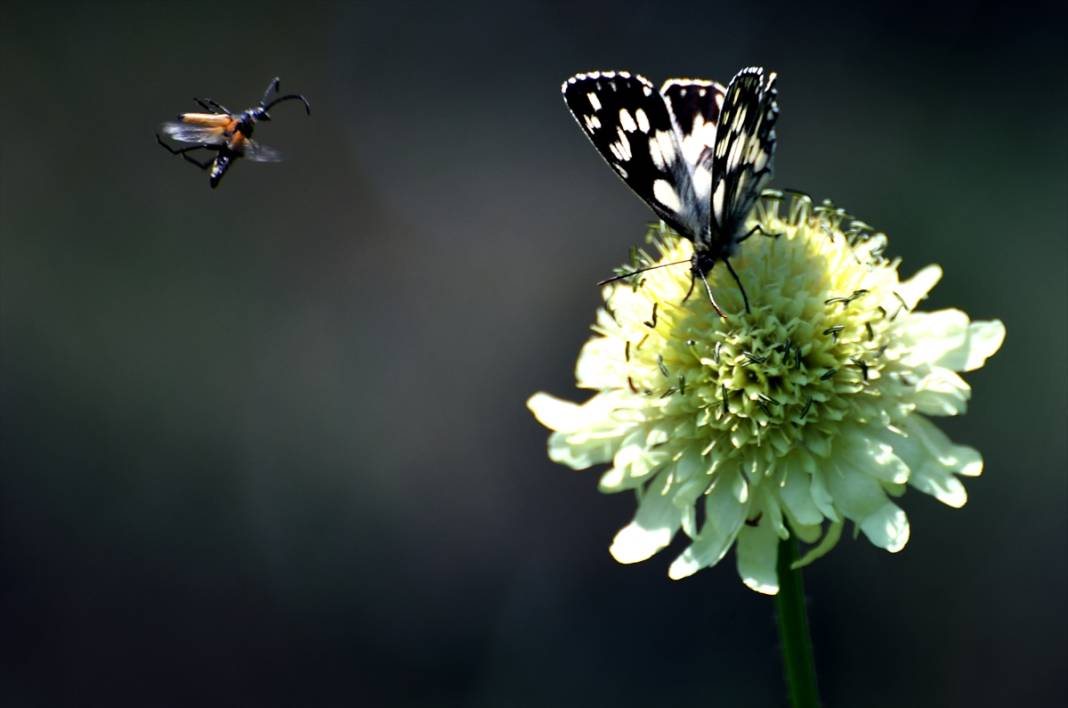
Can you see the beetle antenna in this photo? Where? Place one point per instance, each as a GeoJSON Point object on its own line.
{"type": "Point", "coordinates": [287, 97]}
{"type": "Point", "coordinates": [271, 88]}
{"type": "Point", "coordinates": [640, 270]}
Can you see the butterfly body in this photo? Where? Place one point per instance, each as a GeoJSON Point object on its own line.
{"type": "Point", "coordinates": [697, 153]}
{"type": "Point", "coordinates": [228, 135]}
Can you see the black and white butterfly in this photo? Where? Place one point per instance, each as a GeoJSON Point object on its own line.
{"type": "Point", "coordinates": [696, 153]}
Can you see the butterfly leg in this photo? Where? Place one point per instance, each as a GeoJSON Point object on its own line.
{"type": "Point", "coordinates": [184, 152]}
{"type": "Point", "coordinates": [708, 289]}
{"type": "Point", "coordinates": [741, 287]}
{"type": "Point", "coordinates": [760, 229]}
{"type": "Point", "coordinates": [693, 281]}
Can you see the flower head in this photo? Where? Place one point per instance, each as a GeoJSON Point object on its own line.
{"type": "Point", "coordinates": [785, 421]}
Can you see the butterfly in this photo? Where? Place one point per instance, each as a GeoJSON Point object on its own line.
{"type": "Point", "coordinates": [697, 153]}
{"type": "Point", "coordinates": [225, 133]}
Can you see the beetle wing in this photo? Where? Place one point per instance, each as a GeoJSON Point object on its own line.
{"type": "Point", "coordinates": [258, 152]}
{"type": "Point", "coordinates": [212, 119]}
{"type": "Point", "coordinates": [200, 134]}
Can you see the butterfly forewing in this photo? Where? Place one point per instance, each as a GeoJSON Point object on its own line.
{"type": "Point", "coordinates": [629, 123]}
{"type": "Point", "coordinates": [742, 157]}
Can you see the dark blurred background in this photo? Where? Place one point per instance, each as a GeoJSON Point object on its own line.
{"type": "Point", "coordinates": [268, 445]}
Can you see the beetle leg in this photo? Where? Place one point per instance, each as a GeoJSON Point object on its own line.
{"type": "Point", "coordinates": [184, 152]}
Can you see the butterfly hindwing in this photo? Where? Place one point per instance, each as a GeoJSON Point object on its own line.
{"type": "Point", "coordinates": [630, 124]}
{"type": "Point", "coordinates": [695, 105]}
{"type": "Point", "coordinates": [741, 160]}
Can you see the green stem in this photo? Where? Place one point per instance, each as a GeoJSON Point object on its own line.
{"type": "Point", "coordinates": [793, 631]}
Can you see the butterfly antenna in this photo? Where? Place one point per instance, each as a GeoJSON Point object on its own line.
{"type": "Point", "coordinates": [741, 287]}
{"type": "Point", "coordinates": [289, 97]}
{"type": "Point", "coordinates": [708, 289]}
{"type": "Point", "coordinates": [640, 270]}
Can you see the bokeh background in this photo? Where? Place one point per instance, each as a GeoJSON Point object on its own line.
{"type": "Point", "coordinates": [268, 445]}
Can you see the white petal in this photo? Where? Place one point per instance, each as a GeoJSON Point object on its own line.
{"type": "Point", "coordinates": [857, 494]}
{"type": "Point", "coordinates": [724, 515]}
{"type": "Point", "coordinates": [555, 413]}
{"type": "Point", "coordinates": [796, 495]}
{"type": "Point", "coordinates": [863, 454]}
{"type": "Point", "coordinates": [579, 456]}
{"type": "Point", "coordinates": [960, 458]}
{"type": "Point", "coordinates": [945, 338]}
{"type": "Point", "coordinates": [821, 495]}
{"type": "Point", "coordinates": [587, 435]}
{"type": "Point", "coordinates": [941, 392]}
{"type": "Point", "coordinates": [887, 528]}
{"type": "Point", "coordinates": [929, 474]}
{"type": "Point", "coordinates": [601, 364]}
{"type": "Point", "coordinates": [757, 552]}
{"type": "Point", "coordinates": [634, 462]}
{"type": "Point", "coordinates": [985, 337]}
{"type": "Point", "coordinates": [916, 288]}
{"type": "Point", "coordinates": [653, 527]}
{"type": "Point", "coordinates": [769, 502]}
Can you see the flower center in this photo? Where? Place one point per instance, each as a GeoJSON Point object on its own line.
{"type": "Point", "coordinates": [806, 355]}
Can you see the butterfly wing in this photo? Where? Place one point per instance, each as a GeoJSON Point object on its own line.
{"type": "Point", "coordinates": [695, 105]}
{"type": "Point", "coordinates": [742, 157]}
{"type": "Point", "coordinates": [630, 124]}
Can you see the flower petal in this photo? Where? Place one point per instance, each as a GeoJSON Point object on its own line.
{"type": "Point", "coordinates": [634, 462]}
{"type": "Point", "coordinates": [587, 434]}
{"type": "Point", "coordinates": [857, 494]}
{"type": "Point", "coordinates": [945, 338]}
{"type": "Point", "coordinates": [933, 459]}
{"type": "Point", "coordinates": [757, 552]}
{"type": "Point", "coordinates": [653, 526]}
{"type": "Point", "coordinates": [725, 511]}
{"type": "Point", "coordinates": [887, 528]}
{"type": "Point", "coordinates": [601, 364]}
{"type": "Point", "coordinates": [916, 288]}
{"type": "Point", "coordinates": [985, 338]}
{"type": "Point", "coordinates": [821, 496]}
{"type": "Point", "coordinates": [795, 493]}
{"type": "Point", "coordinates": [863, 454]}
{"type": "Point", "coordinates": [960, 458]}
{"type": "Point", "coordinates": [941, 392]}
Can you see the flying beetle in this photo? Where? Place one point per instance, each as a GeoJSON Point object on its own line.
{"type": "Point", "coordinates": [227, 134]}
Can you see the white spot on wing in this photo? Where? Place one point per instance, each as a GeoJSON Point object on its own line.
{"type": "Point", "coordinates": [643, 120]}
{"type": "Point", "coordinates": [621, 149]}
{"type": "Point", "coordinates": [760, 161]}
{"type": "Point", "coordinates": [702, 182]}
{"type": "Point", "coordinates": [696, 138]}
{"type": "Point", "coordinates": [595, 103]}
{"type": "Point", "coordinates": [717, 201]}
{"type": "Point", "coordinates": [666, 195]}
{"type": "Point", "coordinates": [662, 148]}
{"type": "Point", "coordinates": [626, 121]}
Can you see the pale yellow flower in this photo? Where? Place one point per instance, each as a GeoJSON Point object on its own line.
{"type": "Point", "coordinates": [811, 410]}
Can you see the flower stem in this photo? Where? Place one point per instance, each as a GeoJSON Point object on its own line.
{"type": "Point", "coordinates": [793, 631]}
